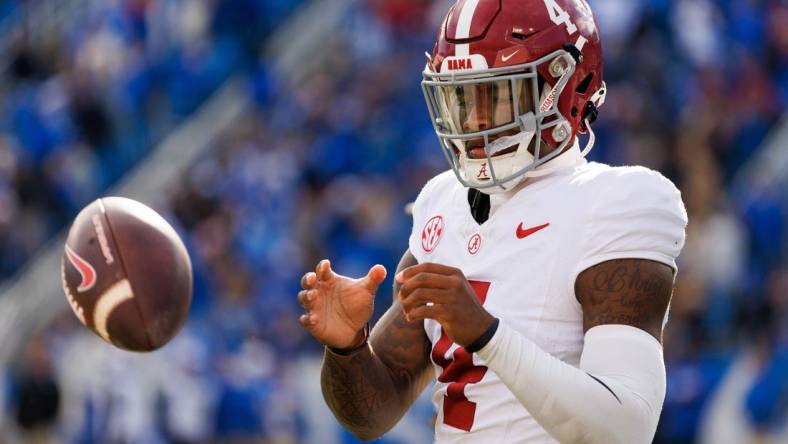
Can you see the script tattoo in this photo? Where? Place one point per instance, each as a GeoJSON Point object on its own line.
{"type": "Point", "coordinates": [350, 391]}
{"type": "Point", "coordinates": [369, 391]}
{"type": "Point", "coordinates": [632, 292]}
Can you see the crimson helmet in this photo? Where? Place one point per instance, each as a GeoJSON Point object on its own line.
{"type": "Point", "coordinates": [509, 85]}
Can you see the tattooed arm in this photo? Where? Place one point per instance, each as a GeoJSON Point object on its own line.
{"type": "Point", "coordinates": [616, 393]}
{"type": "Point", "coordinates": [371, 389]}
{"type": "Point", "coordinates": [634, 292]}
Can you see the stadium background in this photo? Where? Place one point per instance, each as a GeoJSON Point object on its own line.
{"type": "Point", "coordinates": [273, 133]}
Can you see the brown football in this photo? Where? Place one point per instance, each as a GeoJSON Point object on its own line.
{"type": "Point", "coordinates": [126, 274]}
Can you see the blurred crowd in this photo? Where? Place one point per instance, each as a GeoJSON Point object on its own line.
{"type": "Point", "coordinates": [83, 101]}
{"type": "Point", "coordinates": [324, 167]}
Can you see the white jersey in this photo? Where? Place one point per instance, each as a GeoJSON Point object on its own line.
{"type": "Point", "coordinates": [523, 263]}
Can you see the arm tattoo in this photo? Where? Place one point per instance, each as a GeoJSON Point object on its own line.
{"type": "Point", "coordinates": [369, 391]}
{"type": "Point", "coordinates": [632, 292]}
{"type": "Point", "coordinates": [352, 394]}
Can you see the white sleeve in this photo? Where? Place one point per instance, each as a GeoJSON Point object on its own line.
{"type": "Point", "coordinates": [638, 214]}
{"type": "Point", "coordinates": [614, 397]}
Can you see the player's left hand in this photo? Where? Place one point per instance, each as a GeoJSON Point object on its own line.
{"type": "Point", "coordinates": [442, 293]}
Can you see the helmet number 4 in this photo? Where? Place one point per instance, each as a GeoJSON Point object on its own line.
{"type": "Point", "coordinates": [559, 16]}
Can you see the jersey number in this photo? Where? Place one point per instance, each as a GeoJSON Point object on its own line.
{"type": "Point", "coordinates": [458, 411]}
{"type": "Point", "coordinates": [559, 16]}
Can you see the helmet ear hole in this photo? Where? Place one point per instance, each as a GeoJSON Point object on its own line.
{"type": "Point", "coordinates": [582, 88]}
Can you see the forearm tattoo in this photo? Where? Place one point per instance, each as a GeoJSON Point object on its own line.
{"type": "Point", "coordinates": [632, 292]}
{"type": "Point", "coordinates": [369, 391]}
{"type": "Point", "coordinates": [355, 388]}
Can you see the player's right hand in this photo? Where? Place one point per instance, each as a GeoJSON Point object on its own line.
{"type": "Point", "coordinates": [338, 307]}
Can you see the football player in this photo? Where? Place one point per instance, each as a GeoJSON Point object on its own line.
{"type": "Point", "coordinates": [536, 285]}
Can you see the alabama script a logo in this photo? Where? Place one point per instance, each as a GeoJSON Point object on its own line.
{"type": "Point", "coordinates": [482, 172]}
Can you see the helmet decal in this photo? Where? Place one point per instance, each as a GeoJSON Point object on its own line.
{"type": "Point", "coordinates": [466, 63]}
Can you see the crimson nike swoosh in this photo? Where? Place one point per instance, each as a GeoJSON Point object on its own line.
{"type": "Point", "coordinates": [522, 232]}
{"type": "Point", "coordinates": [85, 270]}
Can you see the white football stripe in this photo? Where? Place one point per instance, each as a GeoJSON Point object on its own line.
{"type": "Point", "coordinates": [464, 27]}
{"type": "Point", "coordinates": [107, 302]}
{"type": "Point", "coordinates": [581, 41]}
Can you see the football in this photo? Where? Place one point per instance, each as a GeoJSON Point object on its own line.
{"type": "Point", "coordinates": [126, 274]}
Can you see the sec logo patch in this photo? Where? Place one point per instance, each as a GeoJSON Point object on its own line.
{"type": "Point", "coordinates": [431, 234]}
